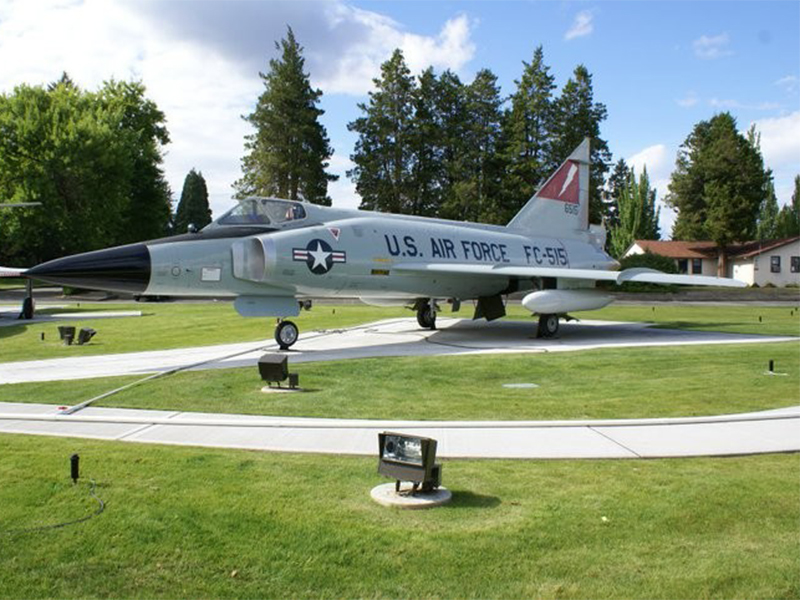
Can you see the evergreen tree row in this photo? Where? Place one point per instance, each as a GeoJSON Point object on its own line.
{"type": "Point", "coordinates": [436, 146]}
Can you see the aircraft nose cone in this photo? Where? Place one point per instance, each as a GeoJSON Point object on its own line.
{"type": "Point", "coordinates": [121, 269]}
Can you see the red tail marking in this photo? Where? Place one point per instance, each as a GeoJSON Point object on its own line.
{"type": "Point", "coordinates": [564, 185]}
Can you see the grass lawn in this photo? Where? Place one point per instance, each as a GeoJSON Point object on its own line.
{"type": "Point", "coordinates": [199, 523]}
{"type": "Point", "coordinates": [168, 325]}
{"type": "Point", "coordinates": [208, 523]}
{"type": "Point", "coordinates": [609, 383]}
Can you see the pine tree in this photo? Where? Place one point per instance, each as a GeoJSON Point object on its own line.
{"type": "Point", "coordinates": [718, 185]}
{"type": "Point", "coordinates": [788, 221]}
{"type": "Point", "coordinates": [426, 148]}
{"type": "Point", "coordinates": [383, 151]}
{"type": "Point", "coordinates": [616, 181]}
{"type": "Point", "coordinates": [638, 215]}
{"type": "Point", "coordinates": [476, 189]}
{"type": "Point", "coordinates": [451, 115]}
{"type": "Point", "coordinates": [768, 213]}
{"type": "Point", "coordinates": [578, 116]}
{"type": "Point", "coordinates": [289, 151]}
{"type": "Point", "coordinates": [528, 132]}
{"type": "Point", "coordinates": [193, 206]}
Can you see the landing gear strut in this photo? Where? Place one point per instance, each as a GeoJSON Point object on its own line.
{"type": "Point", "coordinates": [548, 326]}
{"type": "Point", "coordinates": [28, 305]}
{"type": "Point", "coordinates": [426, 315]}
{"type": "Point", "coordinates": [286, 334]}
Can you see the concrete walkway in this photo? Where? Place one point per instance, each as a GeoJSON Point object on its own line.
{"type": "Point", "coordinates": [754, 433]}
{"type": "Point", "coordinates": [394, 337]}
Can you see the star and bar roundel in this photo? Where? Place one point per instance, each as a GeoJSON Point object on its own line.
{"type": "Point", "coordinates": [319, 256]}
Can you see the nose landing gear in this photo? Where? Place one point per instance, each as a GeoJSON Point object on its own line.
{"type": "Point", "coordinates": [286, 334]}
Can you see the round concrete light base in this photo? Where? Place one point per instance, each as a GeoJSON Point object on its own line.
{"type": "Point", "coordinates": [385, 495]}
{"type": "Point", "coordinates": [271, 390]}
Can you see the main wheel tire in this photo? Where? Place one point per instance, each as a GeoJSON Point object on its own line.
{"type": "Point", "coordinates": [286, 334]}
{"type": "Point", "coordinates": [426, 317]}
{"type": "Point", "coordinates": [548, 326]}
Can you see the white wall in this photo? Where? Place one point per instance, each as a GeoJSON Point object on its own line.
{"type": "Point", "coordinates": [763, 273]}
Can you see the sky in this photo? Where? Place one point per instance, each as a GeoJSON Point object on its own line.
{"type": "Point", "coordinates": [659, 67]}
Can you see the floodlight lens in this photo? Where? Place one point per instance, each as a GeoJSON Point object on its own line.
{"type": "Point", "coordinates": [403, 449]}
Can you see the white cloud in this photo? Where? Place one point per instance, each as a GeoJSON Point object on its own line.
{"type": "Point", "coordinates": [780, 139]}
{"type": "Point", "coordinates": [712, 47]}
{"type": "Point", "coordinates": [790, 84]}
{"type": "Point", "coordinates": [200, 63]}
{"type": "Point", "coordinates": [581, 26]}
{"type": "Point", "coordinates": [659, 161]}
{"type": "Point", "coordinates": [359, 63]}
{"type": "Point", "coordinates": [735, 104]}
{"type": "Point", "coordinates": [689, 100]}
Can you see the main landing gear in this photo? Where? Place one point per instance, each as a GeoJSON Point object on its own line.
{"type": "Point", "coordinates": [548, 326]}
{"type": "Point", "coordinates": [286, 334]}
{"type": "Point", "coordinates": [426, 314]}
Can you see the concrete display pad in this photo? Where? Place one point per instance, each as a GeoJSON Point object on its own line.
{"type": "Point", "coordinates": [387, 496]}
{"type": "Point", "coordinates": [9, 316]}
{"type": "Point", "coordinates": [393, 337]}
{"type": "Point", "coordinates": [752, 433]}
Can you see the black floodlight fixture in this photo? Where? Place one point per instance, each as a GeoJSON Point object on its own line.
{"type": "Point", "coordinates": [85, 335]}
{"type": "Point", "coordinates": [409, 458]}
{"type": "Point", "coordinates": [274, 368]}
{"type": "Point", "coordinates": [66, 333]}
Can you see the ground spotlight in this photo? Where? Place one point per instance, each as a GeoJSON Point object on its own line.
{"type": "Point", "coordinates": [409, 458]}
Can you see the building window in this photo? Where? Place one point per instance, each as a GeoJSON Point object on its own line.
{"type": "Point", "coordinates": [795, 266]}
{"type": "Point", "coordinates": [697, 266]}
{"type": "Point", "coordinates": [775, 264]}
{"type": "Point", "coordinates": [683, 265]}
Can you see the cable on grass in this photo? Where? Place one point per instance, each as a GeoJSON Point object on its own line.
{"type": "Point", "coordinates": [101, 507]}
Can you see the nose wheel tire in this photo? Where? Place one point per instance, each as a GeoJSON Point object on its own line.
{"type": "Point", "coordinates": [426, 317]}
{"type": "Point", "coordinates": [548, 326]}
{"type": "Point", "coordinates": [286, 334]}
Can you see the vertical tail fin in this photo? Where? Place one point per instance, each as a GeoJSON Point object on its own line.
{"type": "Point", "coordinates": [561, 206]}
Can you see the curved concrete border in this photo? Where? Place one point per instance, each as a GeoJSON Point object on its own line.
{"type": "Point", "coordinates": [753, 433]}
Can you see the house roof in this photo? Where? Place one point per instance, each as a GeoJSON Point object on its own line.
{"type": "Point", "coordinates": [683, 249]}
{"type": "Point", "coordinates": [676, 249]}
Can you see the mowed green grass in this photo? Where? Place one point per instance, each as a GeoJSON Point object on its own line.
{"type": "Point", "coordinates": [170, 325]}
{"type": "Point", "coordinates": [179, 325]}
{"type": "Point", "coordinates": [200, 523]}
{"type": "Point", "coordinates": [596, 384]}
{"type": "Point", "coordinates": [608, 383]}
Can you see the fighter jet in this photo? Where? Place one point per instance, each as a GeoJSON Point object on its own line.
{"type": "Point", "coordinates": [274, 256]}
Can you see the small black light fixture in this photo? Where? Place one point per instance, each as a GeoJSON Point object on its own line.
{"type": "Point", "coordinates": [75, 467]}
{"type": "Point", "coordinates": [85, 334]}
{"type": "Point", "coordinates": [409, 458]}
{"type": "Point", "coordinates": [274, 368]}
{"type": "Point", "coordinates": [66, 333]}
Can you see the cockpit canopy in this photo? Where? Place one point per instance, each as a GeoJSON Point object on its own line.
{"type": "Point", "coordinates": [263, 211]}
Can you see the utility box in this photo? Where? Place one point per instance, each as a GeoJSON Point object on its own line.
{"type": "Point", "coordinates": [409, 458]}
{"type": "Point", "coordinates": [274, 368]}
